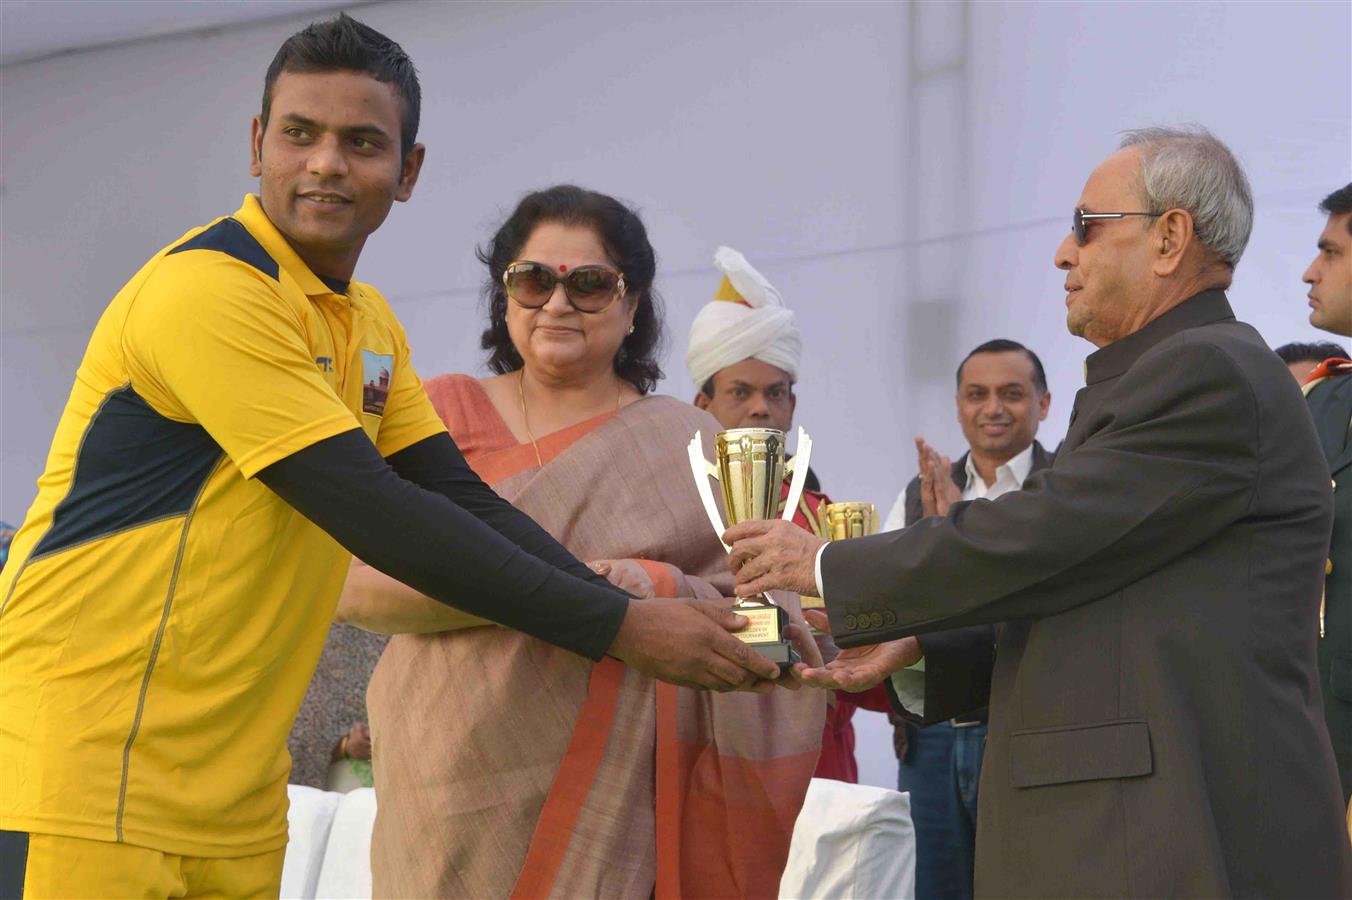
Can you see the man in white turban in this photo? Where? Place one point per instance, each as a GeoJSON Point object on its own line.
{"type": "Point", "coordinates": [743, 356]}
{"type": "Point", "coordinates": [744, 350]}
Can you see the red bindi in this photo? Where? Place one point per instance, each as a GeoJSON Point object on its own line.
{"type": "Point", "coordinates": [563, 268]}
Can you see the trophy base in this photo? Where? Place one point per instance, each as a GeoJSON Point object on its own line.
{"type": "Point", "coordinates": [765, 632]}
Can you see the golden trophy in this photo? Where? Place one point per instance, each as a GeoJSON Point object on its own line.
{"type": "Point", "coordinates": [839, 522]}
{"type": "Point", "coordinates": [750, 469]}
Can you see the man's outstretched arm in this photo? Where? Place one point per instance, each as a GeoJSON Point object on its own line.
{"type": "Point", "coordinates": [437, 464]}
{"type": "Point", "coordinates": [438, 547]}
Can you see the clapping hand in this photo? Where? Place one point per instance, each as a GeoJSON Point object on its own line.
{"type": "Point", "coordinates": [937, 490]}
{"type": "Point", "coordinates": [860, 668]}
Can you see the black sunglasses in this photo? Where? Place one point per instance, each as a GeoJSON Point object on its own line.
{"type": "Point", "coordinates": [1079, 224]}
{"type": "Point", "coordinates": [589, 289]}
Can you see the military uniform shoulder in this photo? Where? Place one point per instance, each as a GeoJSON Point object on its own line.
{"type": "Point", "coordinates": [1329, 383]}
{"type": "Point", "coordinates": [1337, 367]}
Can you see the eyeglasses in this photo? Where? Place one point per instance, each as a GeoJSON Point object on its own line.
{"type": "Point", "coordinates": [1079, 224]}
{"type": "Point", "coordinates": [589, 289]}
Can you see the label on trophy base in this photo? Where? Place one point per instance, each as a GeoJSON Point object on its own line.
{"type": "Point", "coordinates": [807, 602]}
{"type": "Point", "coordinates": [763, 624]}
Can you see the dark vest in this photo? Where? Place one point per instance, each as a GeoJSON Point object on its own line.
{"type": "Point", "coordinates": [914, 510]}
{"type": "Point", "coordinates": [1041, 460]}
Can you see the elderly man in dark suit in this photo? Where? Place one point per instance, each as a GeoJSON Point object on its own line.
{"type": "Point", "coordinates": [1155, 716]}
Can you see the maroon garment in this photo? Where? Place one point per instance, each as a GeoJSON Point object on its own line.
{"type": "Point", "coordinates": [837, 759]}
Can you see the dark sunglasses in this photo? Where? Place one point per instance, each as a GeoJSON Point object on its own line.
{"type": "Point", "coordinates": [590, 289]}
{"type": "Point", "coordinates": [1079, 224]}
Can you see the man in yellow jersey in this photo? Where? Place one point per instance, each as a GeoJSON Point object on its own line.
{"type": "Point", "coordinates": [245, 415]}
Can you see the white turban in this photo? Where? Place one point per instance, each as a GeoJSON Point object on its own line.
{"type": "Point", "coordinates": [745, 320]}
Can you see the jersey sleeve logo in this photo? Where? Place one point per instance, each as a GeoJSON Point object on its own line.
{"type": "Point", "coordinates": [375, 379]}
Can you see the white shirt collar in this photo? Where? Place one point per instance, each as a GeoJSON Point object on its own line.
{"type": "Point", "coordinates": [1013, 473]}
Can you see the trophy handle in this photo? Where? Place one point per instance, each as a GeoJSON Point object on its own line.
{"type": "Point", "coordinates": [799, 463]}
{"type": "Point", "coordinates": [702, 469]}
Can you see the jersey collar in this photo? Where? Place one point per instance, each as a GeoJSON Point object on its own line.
{"type": "Point", "coordinates": [253, 218]}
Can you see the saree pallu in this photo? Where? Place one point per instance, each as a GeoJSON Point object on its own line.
{"type": "Point", "coordinates": [505, 766]}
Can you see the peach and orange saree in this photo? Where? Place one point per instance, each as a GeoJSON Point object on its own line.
{"type": "Point", "coordinates": [505, 766]}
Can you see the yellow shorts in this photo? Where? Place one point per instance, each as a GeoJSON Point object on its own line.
{"type": "Point", "coordinates": [69, 868]}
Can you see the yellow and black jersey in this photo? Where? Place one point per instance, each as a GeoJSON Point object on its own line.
{"type": "Point", "coordinates": [161, 611]}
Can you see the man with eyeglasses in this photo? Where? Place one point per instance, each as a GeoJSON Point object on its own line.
{"type": "Point", "coordinates": [1155, 724]}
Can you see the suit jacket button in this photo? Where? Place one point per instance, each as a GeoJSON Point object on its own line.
{"type": "Point", "coordinates": [851, 622]}
{"type": "Point", "coordinates": [889, 618]}
{"type": "Point", "coordinates": [876, 620]}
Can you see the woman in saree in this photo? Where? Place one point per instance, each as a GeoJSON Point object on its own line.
{"type": "Point", "coordinates": [504, 766]}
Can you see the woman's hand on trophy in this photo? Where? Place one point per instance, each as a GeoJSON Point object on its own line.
{"type": "Point", "coordinates": [625, 574]}
{"type": "Point", "coordinates": [860, 668]}
{"type": "Point", "coordinates": [772, 554]}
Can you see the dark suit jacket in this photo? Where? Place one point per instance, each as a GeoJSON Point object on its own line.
{"type": "Point", "coordinates": [1331, 406]}
{"type": "Point", "coordinates": [963, 658]}
{"type": "Point", "coordinates": [1156, 726]}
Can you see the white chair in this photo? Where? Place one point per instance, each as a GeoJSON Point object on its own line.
{"type": "Point", "coordinates": [308, 820]}
{"type": "Point", "coordinates": [851, 841]}
{"type": "Point", "coordinates": [329, 852]}
{"type": "Point", "coordinates": [347, 859]}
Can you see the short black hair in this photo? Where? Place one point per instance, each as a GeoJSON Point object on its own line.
{"type": "Point", "coordinates": [1001, 345]}
{"type": "Point", "coordinates": [626, 242]}
{"type": "Point", "coordinates": [1315, 353]}
{"type": "Point", "coordinates": [346, 45]}
{"type": "Point", "coordinates": [1338, 203]}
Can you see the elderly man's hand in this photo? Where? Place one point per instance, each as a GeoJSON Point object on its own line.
{"type": "Point", "coordinates": [772, 554]}
{"type": "Point", "coordinates": [860, 668]}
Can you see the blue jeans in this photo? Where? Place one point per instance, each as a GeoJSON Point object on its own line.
{"type": "Point", "coordinates": [941, 771]}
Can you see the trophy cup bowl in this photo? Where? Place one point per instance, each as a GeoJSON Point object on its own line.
{"type": "Point", "coordinates": [750, 468]}
{"type": "Point", "coordinates": [850, 520]}
{"type": "Point", "coordinates": [840, 522]}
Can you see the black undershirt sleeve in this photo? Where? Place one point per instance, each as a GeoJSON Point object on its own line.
{"type": "Point", "coordinates": [437, 464]}
{"type": "Point", "coordinates": [454, 540]}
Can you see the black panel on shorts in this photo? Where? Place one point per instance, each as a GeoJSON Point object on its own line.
{"type": "Point", "coordinates": [134, 466]}
{"type": "Point", "coordinates": [13, 863]}
{"type": "Point", "coordinates": [233, 239]}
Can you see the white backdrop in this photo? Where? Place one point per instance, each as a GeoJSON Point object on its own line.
{"type": "Point", "coordinates": [902, 172]}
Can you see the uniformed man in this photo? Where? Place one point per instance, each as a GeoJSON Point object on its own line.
{"type": "Point", "coordinates": [1328, 390]}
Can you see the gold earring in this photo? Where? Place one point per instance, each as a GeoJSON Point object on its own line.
{"type": "Point", "coordinates": [630, 331]}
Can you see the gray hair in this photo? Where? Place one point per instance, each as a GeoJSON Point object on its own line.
{"type": "Point", "coordinates": [1188, 168]}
